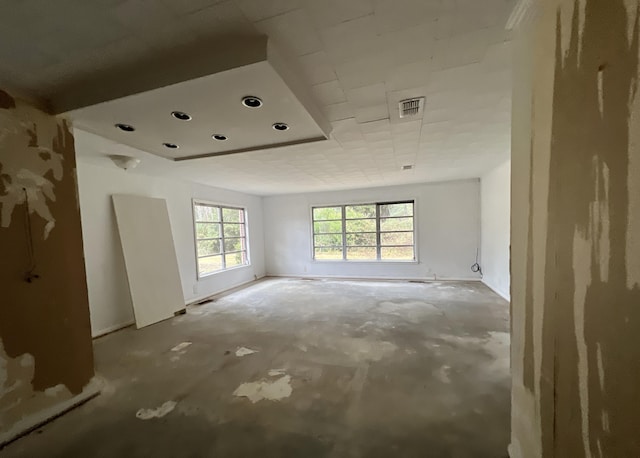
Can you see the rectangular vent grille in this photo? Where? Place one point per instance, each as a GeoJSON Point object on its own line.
{"type": "Point", "coordinates": [411, 107]}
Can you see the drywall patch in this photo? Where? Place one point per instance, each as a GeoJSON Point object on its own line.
{"type": "Point", "coordinates": [164, 409]}
{"type": "Point", "coordinates": [244, 351]}
{"type": "Point", "coordinates": [590, 313]}
{"type": "Point", "coordinates": [264, 389]}
{"type": "Point", "coordinates": [44, 327]}
{"type": "Point", "coordinates": [37, 165]}
{"type": "Point", "coordinates": [29, 174]}
{"type": "Point", "coordinates": [17, 396]}
{"type": "Point", "coordinates": [54, 390]}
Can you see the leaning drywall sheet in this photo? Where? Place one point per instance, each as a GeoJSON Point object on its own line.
{"type": "Point", "coordinates": [150, 257]}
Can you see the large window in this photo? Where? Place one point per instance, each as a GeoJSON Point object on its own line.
{"type": "Point", "coordinates": [364, 232]}
{"type": "Point", "coordinates": [221, 237]}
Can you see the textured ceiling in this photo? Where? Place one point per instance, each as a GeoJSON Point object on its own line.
{"type": "Point", "coordinates": [359, 57]}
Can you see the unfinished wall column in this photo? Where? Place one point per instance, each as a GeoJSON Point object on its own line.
{"type": "Point", "coordinates": [46, 358]}
{"type": "Point", "coordinates": [576, 296]}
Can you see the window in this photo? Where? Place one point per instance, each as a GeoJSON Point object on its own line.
{"type": "Point", "coordinates": [364, 232]}
{"type": "Point", "coordinates": [221, 237]}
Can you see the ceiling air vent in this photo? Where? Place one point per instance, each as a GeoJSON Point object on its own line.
{"type": "Point", "coordinates": [411, 107]}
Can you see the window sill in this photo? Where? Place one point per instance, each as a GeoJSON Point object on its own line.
{"type": "Point", "coordinates": [201, 277]}
{"type": "Point", "coordinates": [355, 261]}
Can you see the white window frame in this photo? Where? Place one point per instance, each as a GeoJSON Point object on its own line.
{"type": "Point", "coordinates": [196, 202]}
{"type": "Point", "coordinates": [344, 259]}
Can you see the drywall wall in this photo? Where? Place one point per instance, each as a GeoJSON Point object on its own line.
{"type": "Point", "coordinates": [495, 227]}
{"type": "Point", "coordinates": [46, 355]}
{"type": "Point", "coordinates": [447, 218]}
{"type": "Point", "coordinates": [576, 317]}
{"type": "Point", "coordinates": [525, 420]}
{"type": "Point", "coordinates": [109, 297]}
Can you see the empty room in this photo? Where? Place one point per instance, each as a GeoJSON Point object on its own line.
{"type": "Point", "coordinates": [319, 228]}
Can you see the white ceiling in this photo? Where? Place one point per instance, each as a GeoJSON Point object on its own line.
{"type": "Point", "coordinates": [359, 58]}
{"type": "Point", "coordinates": [214, 103]}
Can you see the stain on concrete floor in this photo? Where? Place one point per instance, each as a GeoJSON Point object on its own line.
{"type": "Point", "coordinates": [375, 369]}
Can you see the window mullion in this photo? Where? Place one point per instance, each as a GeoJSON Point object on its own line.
{"type": "Point", "coordinates": [222, 250]}
{"type": "Point", "coordinates": [344, 232]}
{"type": "Point", "coordinates": [378, 238]}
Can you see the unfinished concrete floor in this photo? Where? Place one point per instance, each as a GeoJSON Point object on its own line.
{"type": "Point", "coordinates": [340, 369]}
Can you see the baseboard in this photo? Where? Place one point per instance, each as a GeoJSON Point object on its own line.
{"type": "Point", "coordinates": [342, 277]}
{"type": "Point", "coordinates": [114, 328]}
{"type": "Point", "coordinates": [118, 327]}
{"type": "Point", "coordinates": [34, 421]}
{"type": "Point", "coordinates": [506, 297]}
{"type": "Point", "coordinates": [223, 291]}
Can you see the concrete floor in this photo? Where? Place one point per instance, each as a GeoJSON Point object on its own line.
{"type": "Point", "coordinates": [341, 369]}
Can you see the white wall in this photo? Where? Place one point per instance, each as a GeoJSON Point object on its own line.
{"type": "Point", "coordinates": [109, 298]}
{"type": "Point", "coordinates": [447, 218]}
{"type": "Point", "coordinates": [495, 229]}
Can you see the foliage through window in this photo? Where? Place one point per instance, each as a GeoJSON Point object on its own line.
{"type": "Point", "coordinates": [221, 237]}
{"type": "Point", "coordinates": [364, 232]}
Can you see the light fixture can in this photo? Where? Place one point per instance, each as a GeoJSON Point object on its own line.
{"type": "Point", "coordinates": [251, 101]}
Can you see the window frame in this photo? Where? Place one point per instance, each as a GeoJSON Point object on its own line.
{"type": "Point", "coordinates": [220, 206]}
{"type": "Point", "coordinates": [378, 232]}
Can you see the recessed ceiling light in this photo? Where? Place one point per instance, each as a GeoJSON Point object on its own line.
{"type": "Point", "coordinates": [181, 115]}
{"type": "Point", "coordinates": [219, 137]}
{"type": "Point", "coordinates": [281, 126]}
{"type": "Point", "coordinates": [251, 101]}
{"type": "Point", "coordinates": [125, 127]}
{"type": "Point", "coordinates": [170, 145]}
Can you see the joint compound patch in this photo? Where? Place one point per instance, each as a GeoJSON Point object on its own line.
{"type": "Point", "coordinates": [276, 372]}
{"type": "Point", "coordinates": [54, 390]}
{"type": "Point", "coordinates": [164, 409]}
{"type": "Point", "coordinates": [272, 391]}
{"type": "Point", "coordinates": [244, 351]}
